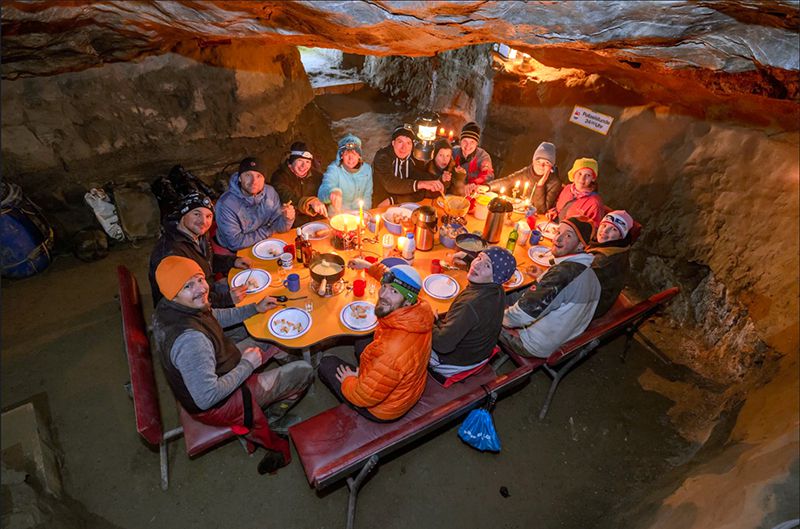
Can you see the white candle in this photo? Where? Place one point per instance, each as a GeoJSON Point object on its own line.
{"type": "Point", "coordinates": [360, 212]}
{"type": "Point", "coordinates": [377, 222]}
{"type": "Point", "coordinates": [525, 188]}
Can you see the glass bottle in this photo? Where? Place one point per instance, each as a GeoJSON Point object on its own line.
{"type": "Point", "coordinates": [511, 243]}
{"type": "Point", "coordinates": [307, 251]}
{"type": "Point", "coordinates": [298, 246]}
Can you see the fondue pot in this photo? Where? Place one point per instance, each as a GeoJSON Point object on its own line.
{"type": "Point", "coordinates": [331, 258]}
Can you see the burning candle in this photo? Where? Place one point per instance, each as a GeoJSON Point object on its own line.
{"type": "Point", "coordinates": [450, 135]}
{"type": "Point", "coordinates": [377, 223]}
{"type": "Point", "coordinates": [525, 188]}
{"type": "Point", "coordinates": [502, 191]}
{"type": "Point", "coordinates": [360, 212]}
{"type": "Point", "coordinates": [441, 131]}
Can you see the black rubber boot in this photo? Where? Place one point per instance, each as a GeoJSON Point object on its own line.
{"type": "Point", "coordinates": [271, 462]}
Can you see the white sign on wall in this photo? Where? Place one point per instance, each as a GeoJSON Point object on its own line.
{"type": "Point", "coordinates": [591, 120]}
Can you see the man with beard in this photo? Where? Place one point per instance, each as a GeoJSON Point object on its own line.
{"type": "Point", "coordinates": [212, 377]}
{"type": "Point", "coordinates": [250, 211]}
{"type": "Point", "coordinates": [397, 176]}
{"type": "Point", "coordinates": [392, 368]}
{"type": "Point", "coordinates": [185, 233]}
{"type": "Point", "coordinates": [561, 305]}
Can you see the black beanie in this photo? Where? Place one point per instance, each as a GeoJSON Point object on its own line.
{"type": "Point", "coordinates": [299, 150]}
{"type": "Point", "coordinates": [250, 164]}
{"type": "Point", "coordinates": [583, 228]}
{"type": "Point", "coordinates": [403, 131]}
{"type": "Point", "coordinates": [471, 130]}
{"type": "Point", "coordinates": [193, 201]}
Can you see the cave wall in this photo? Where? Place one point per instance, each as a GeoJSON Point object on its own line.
{"type": "Point", "coordinates": [202, 107]}
{"type": "Point", "coordinates": [719, 202]}
{"type": "Point", "coordinates": [456, 83]}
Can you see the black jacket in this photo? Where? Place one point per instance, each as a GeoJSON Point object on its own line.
{"type": "Point", "coordinates": [396, 179]}
{"type": "Point", "coordinates": [175, 242]}
{"type": "Point", "coordinates": [468, 332]}
{"type": "Point", "coordinates": [611, 265]}
{"type": "Point", "coordinates": [299, 190]}
{"type": "Point", "coordinates": [544, 197]}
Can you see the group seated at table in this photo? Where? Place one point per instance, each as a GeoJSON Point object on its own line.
{"type": "Point", "coordinates": [216, 381]}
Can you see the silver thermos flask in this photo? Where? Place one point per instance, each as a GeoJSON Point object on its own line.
{"type": "Point", "coordinates": [425, 224]}
{"type": "Point", "coordinates": [499, 210]}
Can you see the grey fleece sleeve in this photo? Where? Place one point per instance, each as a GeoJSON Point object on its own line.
{"type": "Point", "coordinates": [234, 315]}
{"type": "Point", "coordinates": [193, 355]}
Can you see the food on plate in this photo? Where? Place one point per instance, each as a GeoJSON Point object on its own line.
{"type": "Point", "coordinates": [320, 233]}
{"type": "Point", "coordinates": [326, 268]}
{"type": "Point", "coordinates": [252, 283]}
{"type": "Point", "coordinates": [359, 312]}
{"type": "Point", "coordinates": [288, 327]}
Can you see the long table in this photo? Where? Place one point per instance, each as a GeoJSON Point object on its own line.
{"type": "Point", "coordinates": [325, 314]}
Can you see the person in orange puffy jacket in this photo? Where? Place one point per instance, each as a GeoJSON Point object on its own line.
{"type": "Point", "coordinates": [392, 368]}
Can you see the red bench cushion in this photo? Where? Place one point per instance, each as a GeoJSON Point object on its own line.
{"type": "Point", "coordinates": [339, 439]}
{"type": "Point", "coordinates": [200, 437]}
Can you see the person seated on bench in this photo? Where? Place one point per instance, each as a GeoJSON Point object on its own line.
{"type": "Point", "coordinates": [561, 305]}
{"type": "Point", "coordinates": [464, 338]}
{"type": "Point", "coordinates": [297, 180]}
{"type": "Point", "coordinates": [542, 174]}
{"type": "Point", "coordinates": [185, 233]}
{"type": "Point", "coordinates": [611, 251]}
{"type": "Point", "coordinates": [211, 378]}
{"type": "Point", "coordinates": [250, 211]}
{"type": "Point", "coordinates": [580, 197]}
{"type": "Point", "coordinates": [392, 369]}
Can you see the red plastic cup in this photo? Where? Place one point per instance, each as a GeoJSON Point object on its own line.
{"type": "Point", "coordinates": [371, 259]}
{"type": "Point", "coordinates": [358, 287]}
{"type": "Point", "coordinates": [436, 266]}
{"type": "Point", "coordinates": [289, 248]}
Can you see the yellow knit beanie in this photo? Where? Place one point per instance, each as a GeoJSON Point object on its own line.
{"type": "Point", "coordinates": [584, 163]}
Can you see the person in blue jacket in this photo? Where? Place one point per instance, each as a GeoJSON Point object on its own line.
{"type": "Point", "coordinates": [250, 211]}
{"type": "Point", "coordinates": [348, 179]}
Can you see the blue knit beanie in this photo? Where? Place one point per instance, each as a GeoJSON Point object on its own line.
{"type": "Point", "coordinates": [503, 263]}
{"type": "Point", "coordinates": [350, 142]}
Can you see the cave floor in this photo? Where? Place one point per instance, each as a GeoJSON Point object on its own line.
{"type": "Point", "coordinates": [604, 439]}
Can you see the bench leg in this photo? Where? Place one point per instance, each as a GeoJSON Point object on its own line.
{"type": "Point", "coordinates": [557, 375]}
{"type": "Point", "coordinates": [354, 485]}
{"type": "Point", "coordinates": [164, 465]}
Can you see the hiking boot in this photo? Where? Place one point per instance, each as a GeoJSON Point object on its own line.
{"type": "Point", "coordinates": [278, 409]}
{"type": "Point", "coordinates": [271, 462]}
{"type": "Point", "coordinates": [281, 426]}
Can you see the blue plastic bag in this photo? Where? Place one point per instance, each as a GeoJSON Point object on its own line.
{"type": "Point", "coordinates": [478, 431]}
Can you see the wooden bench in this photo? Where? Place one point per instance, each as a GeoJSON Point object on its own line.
{"type": "Point", "coordinates": [198, 437]}
{"type": "Point", "coordinates": [624, 316]}
{"type": "Point", "coordinates": [339, 442]}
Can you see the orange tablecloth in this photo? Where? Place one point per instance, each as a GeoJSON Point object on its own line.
{"type": "Point", "coordinates": [325, 314]}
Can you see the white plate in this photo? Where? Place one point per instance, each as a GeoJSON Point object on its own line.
{"type": "Point", "coordinates": [348, 318]}
{"type": "Point", "coordinates": [310, 228]}
{"type": "Point", "coordinates": [515, 281]}
{"type": "Point", "coordinates": [256, 276]}
{"type": "Point", "coordinates": [268, 249]}
{"type": "Point", "coordinates": [289, 323]}
{"type": "Point", "coordinates": [549, 229]}
{"type": "Point", "coordinates": [411, 206]}
{"type": "Point", "coordinates": [540, 255]}
{"type": "Point", "coordinates": [440, 286]}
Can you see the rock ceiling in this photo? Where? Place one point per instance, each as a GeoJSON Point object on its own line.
{"type": "Point", "coordinates": [729, 48]}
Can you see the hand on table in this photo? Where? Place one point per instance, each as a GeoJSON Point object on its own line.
{"type": "Point", "coordinates": [267, 303]}
{"type": "Point", "coordinates": [238, 293]}
{"type": "Point", "coordinates": [318, 207]}
{"type": "Point", "coordinates": [253, 355]}
{"type": "Point", "coordinates": [342, 372]}
{"type": "Point", "coordinates": [243, 263]}
{"type": "Point", "coordinates": [358, 264]}
{"type": "Point", "coordinates": [288, 211]}
{"type": "Point", "coordinates": [431, 185]}
{"type": "Point", "coordinates": [336, 201]}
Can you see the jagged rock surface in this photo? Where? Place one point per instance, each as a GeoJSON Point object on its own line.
{"type": "Point", "coordinates": [729, 48]}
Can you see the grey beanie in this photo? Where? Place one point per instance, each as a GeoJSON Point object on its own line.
{"type": "Point", "coordinates": [547, 151]}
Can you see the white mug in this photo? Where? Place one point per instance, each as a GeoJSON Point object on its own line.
{"type": "Point", "coordinates": [285, 260]}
